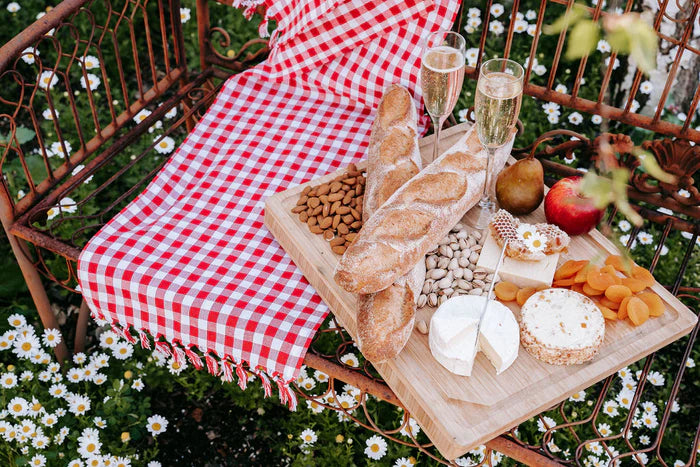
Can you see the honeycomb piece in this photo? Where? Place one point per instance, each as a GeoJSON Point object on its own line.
{"type": "Point", "coordinates": [526, 241]}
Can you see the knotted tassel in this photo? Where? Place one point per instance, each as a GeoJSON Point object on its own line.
{"type": "Point", "coordinates": [116, 329]}
{"type": "Point", "coordinates": [242, 376]}
{"type": "Point", "coordinates": [194, 359]}
{"type": "Point", "coordinates": [265, 381]}
{"type": "Point", "coordinates": [284, 395]}
{"type": "Point", "coordinates": [179, 355]}
{"type": "Point", "coordinates": [227, 371]}
{"type": "Point", "coordinates": [212, 366]}
{"type": "Point", "coordinates": [163, 348]}
{"type": "Point", "coordinates": [145, 342]}
{"type": "Point", "coordinates": [128, 336]}
{"type": "Point", "coordinates": [292, 398]}
{"type": "Point", "coordinates": [263, 30]}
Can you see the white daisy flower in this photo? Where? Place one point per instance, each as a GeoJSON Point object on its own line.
{"type": "Point", "coordinates": [650, 421]}
{"type": "Point", "coordinates": [646, 87]}
{"type": "Point", "coordinates": [156, 424]}
{"type": "Point", "coordinates": [656, 378]}
{"type": "Point", "coordinates": [376, 447]}
{"type": "Point", "coordinates": [330, 399]}
{"type": "Point", "coordinates": [76, 463]}
{"type": "Point", "coordinates": [27, 346]}
{"type": "Point", "coordinates": [156, 126]}
{"type": "Point", "coordinates": [52, 337]}
{"type": "Point", "coordinates": [644, 439]}
{"type": "Point", "coordinates": [649, 407]}
{"type": "Point", "coordinates": [174, 367]}
{"type": "Point", "coordinates": [530, 15]}
{"type": "Point", "coordinates": [75, 375]}
{"type": "Point", "coordinates": [26, 376]}
{"type": "Point", "coordinates": [545, 423]}
{"type": "Point", "coordinates": [8, 380]}
{"type": "Point", "coordinates": [47, 79]}
{"type": "Point", "coordinates": [171, 113]}
{"type": "Point", "coordinates": [596, 119]}
{"type": "Point", "coordinates": [347, 402]}
{"type": "Point", "coordinates": [690, 363]}
{"type": "Point", "coordinates": [610, 408]}
{"type": "Point", "coordinates": [473, 23]}
{"type": "Point", "coordinates": [89, 446]}
{"type": "Point", "coordinates": [90, 62]}
{"type": "Point", "coordinates": [681, 116]}
{"type": "Point", "coordinates": [561, 88]}
{"type": "Point", "coordinates": [635, 106]}
{"type": "Point", "coordinates": [38, 460]}
{"type": "Point", "coordinates": [645, 238]}
{"type": "Point", "coordinates": [40, 357]}
{"type": "Point", "coordinates": [40, 442]}
{"type": "Point", "coordinates": [165, 145]}
{"type": "Point", "coordinates": [123, 350]}
{"type": "Point", "coordinates": [575, 118]}
{"type": "Point", "coordinates": [615, 65]}
{"type": "Point", "coordinates": [536, 242]}
{"type": "Point", "coordinates": [27, 427]}
{"type": "Point", "coordinates": [308, 384]}
{"type": "Point", "coordinates": [675, 407]}
{"type": "Point", "coordinates": [185, 15]}
{"type": "Point", "coordinates": [624, 239]}
{"type": "Point", "coordinates": [13, 7]}
{"type": "Point", "coordinates": [122, 462]}
{"type": "Point", "coordinates": [595, 447]}
{"type": "Point", "coordinates": [579, 396]}
{"type": "Point", "coordinates": [58, 390]}
{"type": "Point", "coordinates": [314, 406]}
{"type": "Point", "coordinates": [49, 419]}
{"type": "Point", "coordinates": [531, 30]}
{"type": "Point", "coordinates": [320, 376]}
{"type": "Point", "coordinates": [308, 436]}
{"type": "Point", "coordinates": [18, 406]}
{"type": "Point", "coordinates": [90, 81]}
{"type": "Point", "coordinates": [497, 9]}
{"type": "Point", "coordinates": [496, 27]}
{"type": "Point", "coordinates": [108, 339]}
{"type": "Point", "coordinates": [539, 70]}
{"type": "Point", "coordinates": [551, 108]}
{"type": "Point", "coordinates": [137, 384]}
{"type": "Point", "coordinates": [604, 430]}
{"type": "Point", "coordinates": [472, 56]}
{"type": "Point", "coordinates": [679, 463]}
{"type": "Point", "coordinates": [16, 320]}
{"type": "Point", "coordinates": [411, 428]}
{"type": "Point", "coordinates": [57, 149]}
{"type": "Point", "coordinates": [463, 115]}
{"type": "Point", "coordinates": [684, 193]}
{"type": "Point", "coordinates": [29, 55]}
{"type": "Point", "coordinates": [624, 226]}
{"type": "Point", "coordinates": [553, 448]}
{"type": "Point", "coordinates": [5, 343]}
{"type": "Point", "coordinates": [474, 13]}
{"type": "Point", "coordinates": [77, 169]}
{"type": "Point", "coordinates": [405, 462]}
{"type": "Point", "coordinates": [553, 119]}
{"type": "Point", "coordinates": [141, 116]}
{"type": "Point", "coordinates": [520, 26]}
{"type": "Point", "coordinates": [350, 359]}
{"type": "Point", "coordinates": [79, 404]}
{"type": "Point", "coordinates": [99, 379]}
{"type": "Point", "coordinates": [603, 46]}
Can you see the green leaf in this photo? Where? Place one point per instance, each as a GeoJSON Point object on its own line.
{"type": "Point", "coordinates": [24, 134]}
{"type": "Point", "coordinates": [651, 166]}
{"type": "Point", "coordinates": [644, 47]}
{"type": "Point", "coordinates": [583, 39]}
{"type": "Point", "coordinates": [576, 13]}
{"type": "Point", "coordinates": [598, 189]}
{"type": "Point", "coordinates": [631, 34]}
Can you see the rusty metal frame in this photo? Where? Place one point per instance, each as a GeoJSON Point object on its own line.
{"type": "Point", "coordinates": [176, 85]}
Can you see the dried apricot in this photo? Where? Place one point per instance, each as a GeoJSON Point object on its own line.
{"type": "Point", "coordinates": [654, 302]}
{"type": "Point", "coordinates": [617, 280]}
{"type": "Point", "coordinates": [609, 303]}
{"type": "Point", "coordinates": [643, 275]}
{"type": "Point", "coordinates": [607, 313]}
{"type": "Point", "coordinates": [569, 281]}
{"type": "Point", "coordinates": [637, 310]}
{"type": "Point", "coordinates": [619, 263]}
{"type": "Point", "coordinates": [505, 291]}
{"type": "Point", "coordinates": [581, 276]}
{"type": "Point", "coordinates": [635, 285]}
{"type": "Point", "coordinates": [617, 293]}
{"type": "Point", "coordinates": [622, 311]}
{"type": "Point", "coordinates": [590, 291]}
{"type": "Point", "coordinates": [569, 269]}
{"type": "Point", "coordinates": [578, 288]}
{"type": "Point", "coordinates": [597, 279]}
{"type": "Point", "coordinates": [523, 294]}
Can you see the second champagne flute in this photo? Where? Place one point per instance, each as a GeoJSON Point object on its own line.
{"type": "Point", "coordinates": [441, 76]}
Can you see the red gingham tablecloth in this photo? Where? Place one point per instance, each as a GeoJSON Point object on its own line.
{"type": "Point", "coordinates": [189, 262]}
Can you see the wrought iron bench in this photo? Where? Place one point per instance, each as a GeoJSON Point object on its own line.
{"type": "Point", "coordinates": [111, 121]}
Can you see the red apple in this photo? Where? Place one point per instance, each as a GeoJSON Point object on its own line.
{"type": "Point", "coordinates": [566, 208]}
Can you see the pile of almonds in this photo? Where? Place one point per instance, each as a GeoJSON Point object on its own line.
{"type": "Point", "coordinates": [451, 268]}
{"type": "Point", "coordinates": [334, 209]}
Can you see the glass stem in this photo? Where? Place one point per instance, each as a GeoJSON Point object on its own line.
{"type": "Point", "coordinates": [486, 200]}
{"type": "Point", "coordinates": [437, 125]}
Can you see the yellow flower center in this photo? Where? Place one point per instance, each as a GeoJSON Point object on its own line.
{"type": "Point", "coordinates": [9, 381]}
{"type": "Point", "coordinates": [27, 346]}
{"type": "Point", "coordinates": [81, 407]}
{"type": "Point", "coordinates": [88, 63]}
{"type": "Point", "coordinates": [109, 341]}
{"type": "Point", "coordinates": [122, 350]}
{"type": "Point", "coordinates": [163, 144]}
{"type": "Point", "coordinates": [26, 428]}
{"type": "Point", "coordinates": [345, 404]}
{"type": "Point", "coordinates": [537, 243]}
{"type": "Point", "coordinates": [176, 366]}
{"type": "Point", "coordinates": [90, 447]}
{"type": "Point", "coordinates": [307, 438]}
{"type": "Point", "coordinates": [156, 426]}
{"type": "Point", "coordinates": [16, 322]}
{"type": "Point", "coordinates": [375, 448]}
{"type": "Point", "coordinates": [17, 408]}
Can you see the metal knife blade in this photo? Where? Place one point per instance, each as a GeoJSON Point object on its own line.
{"type": "Point", "coordinates": [488, 295]}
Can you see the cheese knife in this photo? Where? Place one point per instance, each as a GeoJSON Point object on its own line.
{"type": "Point", "coordinates": [488, 295]}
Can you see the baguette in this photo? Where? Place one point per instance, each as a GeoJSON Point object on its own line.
{"type": "Point", "coordinates": [385, 319]}
{"type": "Point", "coordinates": [417, 216]}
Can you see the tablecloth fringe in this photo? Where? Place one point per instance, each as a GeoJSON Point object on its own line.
{"type": "Point", "coordinates": [223, 368]}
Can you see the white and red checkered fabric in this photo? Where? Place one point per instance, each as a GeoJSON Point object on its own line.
{"type": "Point", "coordinates": [189, 261]}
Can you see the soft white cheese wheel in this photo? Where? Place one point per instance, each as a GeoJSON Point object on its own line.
{"type": "Point", "coordinates": [453, 334]}
{"type": "Point", "coordinates": [561, 327]}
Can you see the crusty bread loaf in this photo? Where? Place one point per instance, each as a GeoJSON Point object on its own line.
{"type": "Point", "coordinates": [417, 216]}
{"type": "Point", "coordinates": [385, 319]}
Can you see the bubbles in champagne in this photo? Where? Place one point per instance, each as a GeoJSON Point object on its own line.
{"type": "Point", "coordinates": [442, 73]}
{"type": "Point", "coordinates": [497, 105]}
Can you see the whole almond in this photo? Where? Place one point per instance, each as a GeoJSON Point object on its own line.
{"type": "Point", "coordinates": [336, 196]}
{"type": "Point", "coordinates": [309, 211]}
{"type": "Point", "coordinates": [348, 219]}
{"type": "Point", "coordinates": [302, 200]}
{"type": "Point", "coordinates": [359, 189]}
{"type": "Point", "coordinates": [345, 187]}
{"type": "Point", "coordinates": [311, 221]}
{"type": "Point", "coordinates": [306, 190]}
{"type": "Point", "coordinates": [347, 199]}
{"type": "Point", "coordinates": [357, 225]}
{"type": "Point", "coordinates": [326, 210]}
{"type": "Point", "coordinates": [351, 236]}
{"type": "Point", "coordinates": [324, 199]}
{"type": "Point", "coordinates": [314, 202]}
{"type": "Point", "coordinates": [325, 223]}
{"type": "Point", "coordinates": [335, 186]}
{"type": "Point", "coordinates": [337, 241]}
{"type": "Point", "coordinates": [303, 217]}
{"type": "Point", "coordinates": [298, 209]}
{"type": "Point", "coordinates": [355, 214]}
{"type": "Point", "coordinates": [311, 193]}
{"type": "Point", "coordinates": [317, 210]}
{"type": "Point", "coordinates": [315, 229]}
{"type": "Point", "coordinates": [339, 250]}
{"type": "Point", "coordinates": [350, 181]}
{"type": "Point", "coordinates": [323, 189]}
{"type": "Point", "coordinates": [343, 229]}
{"type": "Point", "coordinates": [334, 207]}
{"type": "Point", "coordinates": [336, 221]}
{"type": "Point", "coordinates": [342, 210]}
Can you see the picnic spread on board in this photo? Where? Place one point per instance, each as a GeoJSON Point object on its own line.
{"type": "Point", "coordinates": [476, 317]}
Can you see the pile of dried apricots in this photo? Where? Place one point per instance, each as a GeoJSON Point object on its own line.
{"type": "Point", "coordinates": [617, 288]}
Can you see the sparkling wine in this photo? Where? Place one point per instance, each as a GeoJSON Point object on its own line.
{"type": "Point", "coordinates": [442, 73]}
{"type": "Point", "coordinates": [497, 104]}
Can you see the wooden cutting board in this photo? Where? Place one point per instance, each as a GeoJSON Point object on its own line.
{"type": "Point", "coordinates": [458, 413]}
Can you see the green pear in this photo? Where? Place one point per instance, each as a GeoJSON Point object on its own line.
{"type": "Point", "coordinates": [520, 187]}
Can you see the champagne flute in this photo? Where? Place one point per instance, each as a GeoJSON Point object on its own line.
{"type": "Point", "coordinates": [441, 75]}
{"type": "Point", "coordinates": [499, 93]}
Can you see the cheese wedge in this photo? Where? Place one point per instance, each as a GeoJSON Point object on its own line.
{"type": "Point", "coordinates": [453, 334]}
